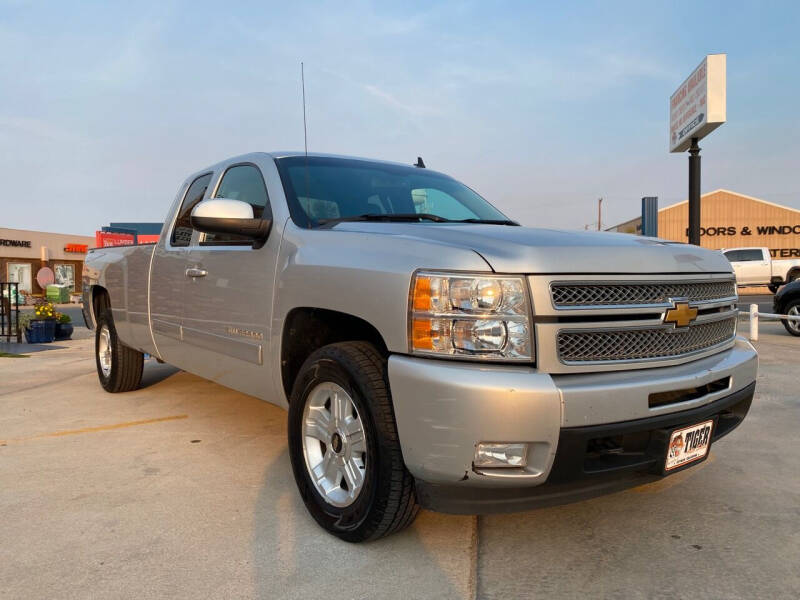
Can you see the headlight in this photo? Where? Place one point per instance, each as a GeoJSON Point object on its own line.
{"type": "Point", "coordinates": [470, 316]}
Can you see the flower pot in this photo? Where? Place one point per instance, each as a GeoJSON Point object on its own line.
{"type": "Point", "coordinates": [64, 331]}
{"type": "Point", "coordinates": [41, 331]}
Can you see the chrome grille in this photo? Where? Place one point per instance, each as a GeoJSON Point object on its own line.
{"type": "Point", "coordinates": [569, 295]}
{"type": "Point", "coordinates": [576, 346]}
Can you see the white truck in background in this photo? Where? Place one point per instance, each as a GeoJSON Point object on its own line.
{"type": "Point", "coordinates": [755, 266]}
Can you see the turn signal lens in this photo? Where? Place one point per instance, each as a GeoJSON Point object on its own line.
{"type": "Point", "coordinates": [431, 334]}
{"type": "Point", "coordinates": [482, 316]}
{"type": "Point", "coordinates": [422, 294]}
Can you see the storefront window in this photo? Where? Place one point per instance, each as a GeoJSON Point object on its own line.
{"type": "Point", "coordinates": [20, 273]}
{"type": "Point", "coordinates": [65, 275]}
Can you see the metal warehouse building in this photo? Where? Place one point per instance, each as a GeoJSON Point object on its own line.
{"type": "Point", "coordinates": [730, 220]}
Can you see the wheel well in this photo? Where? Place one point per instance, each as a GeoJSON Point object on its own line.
{"type": "Point", "coordinates": [793, 273]}
{"type": "Point", "coordinates": [100, 300]}
{"type": "Point", "coordinates": [308, 329]}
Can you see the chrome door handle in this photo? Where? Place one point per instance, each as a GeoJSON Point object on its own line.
{"type": "Point", "coordinates": [196, 272]}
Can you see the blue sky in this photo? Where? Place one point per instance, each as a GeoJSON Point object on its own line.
{"type": "Point", "coordinates": [542, 108]}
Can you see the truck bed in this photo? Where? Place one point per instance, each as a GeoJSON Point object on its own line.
{"type": "Point", "coordinates": [123, 271]}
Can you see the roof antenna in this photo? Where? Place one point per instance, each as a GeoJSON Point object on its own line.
{"type": "Point", "coordinates": [303, 84]}
{"type": "Point", "coordinates": [420, 164]}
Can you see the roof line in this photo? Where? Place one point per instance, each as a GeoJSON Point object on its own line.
{"type": "Point", "coordinates": [767, 202]}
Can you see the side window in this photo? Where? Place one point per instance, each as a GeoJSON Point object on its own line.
{"type": "Point", "coordinates": [182, 231]}
{"type": "Point", "coordinates": [733, 255]}
{"type": "Point", "coordinates": [245, 183]}
{"type": "Point", "coordinates": [752, 255]}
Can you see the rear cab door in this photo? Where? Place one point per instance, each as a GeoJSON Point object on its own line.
{"type": "Point", "coordinates": [751, 265]}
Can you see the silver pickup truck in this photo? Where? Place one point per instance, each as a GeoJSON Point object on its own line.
{"type": "Point", "coordinates": [430, 351]}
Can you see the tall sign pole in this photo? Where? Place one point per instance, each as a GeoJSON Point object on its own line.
{"type": "Point", "coordinates": [696, 109]}
{"type": "Point", "coordinates": [694, 193]}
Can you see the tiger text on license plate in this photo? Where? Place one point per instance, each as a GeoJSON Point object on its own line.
{"type": "Point", "coordinates": [688, 445]}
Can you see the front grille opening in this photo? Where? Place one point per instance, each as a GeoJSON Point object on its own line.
{"type": "Point", "coordinates": [577, 346]}
{"type": "Point", "coordinates": [675, 396]}
{"type": "Point", "coordinates": [630, 293]}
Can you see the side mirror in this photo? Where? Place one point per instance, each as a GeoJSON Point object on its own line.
{"type": "Point", "coordinates": [223, 215]}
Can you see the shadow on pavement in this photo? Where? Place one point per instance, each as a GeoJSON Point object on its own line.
{"type": "Point", "coordinates": [155, 372]}
{"type": "Point", "coordinates": [294, 558]}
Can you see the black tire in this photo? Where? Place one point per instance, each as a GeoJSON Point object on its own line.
{"type": "Point", "coordinates": [788, 324]}
{"type": "Point", "coordinates": [793, 276]}
{"type": "Point", "coordinates": [773, 287]}
{"type": "Point", "coordinates": [127, 364]}
{"type": "Point", "coordinates": [387, 501]}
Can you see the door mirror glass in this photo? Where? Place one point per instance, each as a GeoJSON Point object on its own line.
{"type": "Point", "coordinates": [226, 216]}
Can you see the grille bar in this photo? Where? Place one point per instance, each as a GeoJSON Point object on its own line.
{"type": "Point", "coordinates": [571, 295]}
{"type": "Point", "coordinates": [581, 346]}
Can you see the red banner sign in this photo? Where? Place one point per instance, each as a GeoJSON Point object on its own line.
{"type": "Point", "coordinates": [104, 239]}
{"type": "Point", "coordinates": [78, 248]}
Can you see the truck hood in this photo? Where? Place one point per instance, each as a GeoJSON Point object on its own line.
{"type": "Point", "coordinates": [510, 249]}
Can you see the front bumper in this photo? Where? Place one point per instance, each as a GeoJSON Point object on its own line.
{"type": "Point", "coordinates": [444, 409]}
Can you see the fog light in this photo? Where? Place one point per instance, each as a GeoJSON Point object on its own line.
{"type": "Point", "coordinates": [501, 455]}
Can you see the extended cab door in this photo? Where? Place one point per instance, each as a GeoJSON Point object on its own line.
{"type": "Point", "coordinates": [168, 273]}
{"type": "Point", "coordinates": [751, 265]}
{"type": "Point", "coordinates": [228, 293]}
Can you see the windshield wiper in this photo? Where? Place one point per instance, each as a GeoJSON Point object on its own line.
{"type": "Point", "coordinates": [489, 221]}
{"type": "Point", "coordinates": [397, 217]}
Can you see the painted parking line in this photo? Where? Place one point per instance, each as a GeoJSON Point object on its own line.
{"type": "Point", "coordinates": [92, 429]}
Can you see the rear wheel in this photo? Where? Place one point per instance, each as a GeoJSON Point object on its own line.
{"type": "Point", "coordinates": [793, 310]}
{"type": "Point", "coordinates": [118, 366]}
{"type": "Point", "coordinates": [344, 446]}
{"type": "Point", "coordinates": [773, 287]}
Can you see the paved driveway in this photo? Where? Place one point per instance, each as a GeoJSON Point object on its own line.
{"type": "Point", "coordinates": [183, 489]}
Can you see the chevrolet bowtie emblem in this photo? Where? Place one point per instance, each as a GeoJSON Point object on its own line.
{"type": "Point", "coordinates": [681, 315]}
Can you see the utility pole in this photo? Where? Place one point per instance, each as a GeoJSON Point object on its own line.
{"type": "Point", "coordinates": [694, 193]}
{"type": "Point", "coordinates": [599, 214]}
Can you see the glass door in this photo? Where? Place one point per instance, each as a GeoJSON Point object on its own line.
{"type": "Point", "coordinates": [20, 273]}
{"type": "Point", "coordinates": [65, 275]}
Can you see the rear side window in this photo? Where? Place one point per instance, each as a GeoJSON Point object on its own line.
{"type": "Point", "coordinates": [744, 255]}
{"type": "Point", "coordinates": [182, 232]}
{"type": "Point", "coordinates": [244, 183]}
{"type": "Point", "coordinates": [751, 255]}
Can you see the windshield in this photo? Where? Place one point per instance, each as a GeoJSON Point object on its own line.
{"type": "Point", "coordinates": [321, 189]}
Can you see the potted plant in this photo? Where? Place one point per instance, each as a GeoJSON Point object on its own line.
{"type": "Point", "coordinates": [42, 326]}
{"type": "Point", "coordinates": [64, 326]}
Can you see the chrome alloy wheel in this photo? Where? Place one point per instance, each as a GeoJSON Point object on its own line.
{"type": "Point", "coordinates": [794, 312]}
{"type": "Point", "coordinates": [104, 350]}
{"type": "Point", "coordinates": [334, 445]}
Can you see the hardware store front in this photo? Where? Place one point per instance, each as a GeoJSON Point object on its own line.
{"type": "Point", "coordinates": [23, 253]}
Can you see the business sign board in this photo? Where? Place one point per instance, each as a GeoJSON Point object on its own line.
{"type": "Point", "coordinates": [698, 105]}
{"type": "Point", "coordinates": [105, 239]}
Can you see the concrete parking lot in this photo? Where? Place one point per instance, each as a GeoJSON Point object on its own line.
{"type": "Point", "coordinates": [183, 489]}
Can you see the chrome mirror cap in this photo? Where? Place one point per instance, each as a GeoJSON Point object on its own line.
{"type": "Point", "coordinates": [226, 216]}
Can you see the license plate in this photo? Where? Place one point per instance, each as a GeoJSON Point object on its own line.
{"type": "Point", "coordinates": [688, 445]}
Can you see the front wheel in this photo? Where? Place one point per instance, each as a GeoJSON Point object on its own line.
{"type": "Point", "coordinates": [793, 310]}
{"type": "Point", "coordinates": [344, 446]}
{"type": "Point", "coordinates": [118, 366]}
